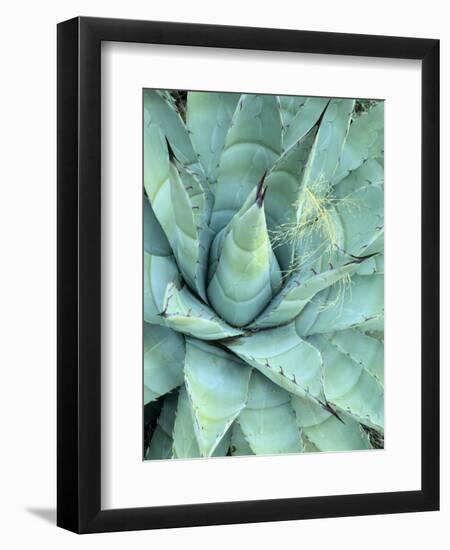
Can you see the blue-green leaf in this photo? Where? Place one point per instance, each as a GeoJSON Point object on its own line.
{"type": "Point", "coordinates": [361, 215]}
{"type": "Point", "coordinates": [285, 358]}
{"type": "Point", "coordinates": [285, 184]}
{"type": "Point", "coordinates": [247, 274]}
{"type": "Point", "coordinates": [330, 141]}
{"type": "Point", "coordinates": [155, 240]}
{"type": "Point", "coordinates": [183, 312]}
{"type": "Point", "coordinates": [159, 272]}
{"type": "Point", "coordinates": [252, 145]}
{"type": "Point", "coordinates": [365, 141]}
{"type": "Point", "coordinates": [181, 205]}
{"type": "Point", "coordinates": [184, 440]}
{"type": "Point", "coordinates": [191, 236]}
{"type": "Point", "coordinates": [157, 178]}
{"type": "Point", "coordinates": [239, 445]}
{"type": "Point", "coordinates": [289, 106]}
{"type": "Point", "coordinates": [296, 295]}
{"type": "Point", "coordinates": [208, 119]}
{"type": "Point", "coordinates": [160, 110]}
{"type": "Point", "coordinates": [217, 384]}
{"type": "Point", "coordinates": [161, 442]}
{"type": "Point", "coordinates": [268, 421]}
{"type": "Point", "coordinates": [371, 172]}
{"type": "Point", "coordinates": [305, 117]}
{"type": "Point", "coordinates": [339, 308]}
{"type": "Point", "coordinates": [164, 351]}
{"type": "Point", "coordinates": [374, 264]}
{"type": "Point", "coordinates": [349, 386]}
{"type": "Point", "coordinates": [361, 348]}
{"type": "Point", "coordinates": [325, 431]}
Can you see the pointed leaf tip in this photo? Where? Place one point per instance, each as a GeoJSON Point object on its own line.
{"type": "Point", "coordinates": [261, 190]}
{"type": "Point", "coordinates": [170, 151]}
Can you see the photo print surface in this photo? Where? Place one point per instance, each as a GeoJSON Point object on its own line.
{"type": "Point", "coordinates": [263, 274]}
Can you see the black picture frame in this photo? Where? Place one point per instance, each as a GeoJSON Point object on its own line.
{"type": "Point", "coordinates": [79, 275]}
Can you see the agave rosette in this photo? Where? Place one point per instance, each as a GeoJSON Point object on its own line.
{"type": "Point", "coordinates": [263, 275]}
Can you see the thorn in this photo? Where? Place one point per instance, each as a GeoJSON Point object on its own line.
{"type": "Point", "coordinates": [261, 190]}
{"type": "Point", "coordinates": [330, 409]}
{"type": "Point", "coordinates": [172, 156]}
{"type": "Point", "coordinates": [360, 258]}
{"type": "Point", "coordinates": [319, 121]}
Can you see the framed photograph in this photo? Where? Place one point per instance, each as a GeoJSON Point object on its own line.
{"type": "Point", "coordinates": [231, 347]}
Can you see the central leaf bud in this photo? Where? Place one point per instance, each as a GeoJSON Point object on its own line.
{"type": "Point", "coordinates": [244, 273]}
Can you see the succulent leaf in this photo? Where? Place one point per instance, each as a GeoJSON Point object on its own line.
{"type": "Point", "coordinates": [239, 445]}
{"type": "Point", "coordinates": [191, 236]}
{"type": "Point", "coordinates": [306, 116]}
{"type": "Point", "coordinates": [361, 348]}
{"type": "Point", "coordinates": [377, 334]}
{"type": "Point", "coordinates": [285, 358]}
{"type": "Point", "coordinates": [185, 313]}
{"type": "Point", "coordinates": [157, 178]}
{"type": "Point", "coordinates": [161, 443]}
{"type": "Point", "coordinates": [208, 118]}
{"type": "Point", "coordinates": [362, 219]}
{"type": "Point", "coordinates": [183, 202]}
{"type": "Point", "coordinates": [217, 385]}
{"type": "Point", "coordinates": [289, 106]}
{"type": "Point", "coordinates": [159, 272]}
{"type": "Point", "coordinates": [296, 295]}
{"type": "Point", "coordinates": [247, 274]}
{"type": "Point", "coordinates": [215, 251]}
{"type": "Point", "coordinates": [349, 386]}
{"type": "Point", "coordinates": [164, 351]}
{"type": "Point", "coordinates": [223, 446]}
{"type": "Point", "coordinates": [184, 440]}
{"type": "Point", "coordinates": [200, 195]}
{"type": "Point", "coordinates": [372, 324]}
{"type": "Point", "coordinates": [160, 111]}
{"type": "Point", "coordinates": [308, 446]}
{"type": "Point", "coordinates": [252, 145]}
{"type": "Point", "coordinates": [365, 141]}
{"type": "Point", "coordinates": [325, 431]}
{"type": "Point", "coordinates": [268, 421]}
{"type": "Point", "coordinates": [285, 183]}
{"type": "Point", "coordinates": [374, 264]}
{"type": "Point", "coordinates": [369, 173]}
{"type": "Point", "coordinates": [155, 240]}
{"type": "Point", "coordinates": [330, 141]}
{"type": "Point", "coordinates": [337, 309]}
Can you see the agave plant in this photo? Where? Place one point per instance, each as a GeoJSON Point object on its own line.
{"type": "Point", "coordinates": [263, 274]}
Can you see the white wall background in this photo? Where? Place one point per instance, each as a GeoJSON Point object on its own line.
{"type": "Point", "coordinates": [28, 269]}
